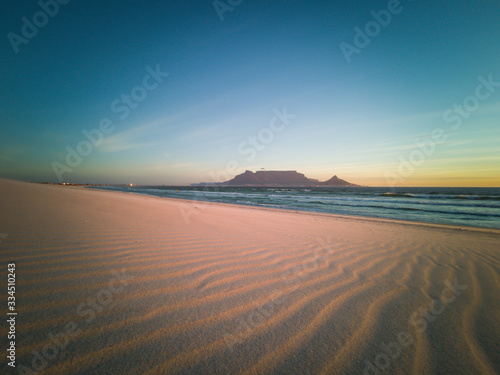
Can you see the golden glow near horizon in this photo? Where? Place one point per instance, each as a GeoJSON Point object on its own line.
{"type": "Point", "coordinates": [235, 98]}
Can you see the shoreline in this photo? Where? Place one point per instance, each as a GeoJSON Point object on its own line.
{"type": "Point", "coordinates": [352, 217]}
{"type": "Point", "coordinates": [122, 284]}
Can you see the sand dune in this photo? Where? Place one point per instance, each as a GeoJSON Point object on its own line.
{"type": "Point", "coordinates": [112, 283]}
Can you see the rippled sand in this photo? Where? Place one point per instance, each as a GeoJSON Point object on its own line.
{"type": "Point", "coordinates": [111, 283]}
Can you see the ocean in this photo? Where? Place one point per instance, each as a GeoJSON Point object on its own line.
{"type": "Point", "coordinates": [476, 207]}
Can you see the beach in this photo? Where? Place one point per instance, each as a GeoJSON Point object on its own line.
{"type": "Point", "coordinates": [116, 283]}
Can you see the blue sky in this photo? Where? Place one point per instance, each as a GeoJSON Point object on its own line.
{"type": "Point", "coordinates": [361, 120]}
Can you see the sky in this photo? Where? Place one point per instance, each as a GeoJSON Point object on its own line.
{"type": "Point", "coordinates": [379, 93]}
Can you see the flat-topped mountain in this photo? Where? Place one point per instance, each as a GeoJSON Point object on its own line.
{"type": "Point", "coordinates": [281, 178]}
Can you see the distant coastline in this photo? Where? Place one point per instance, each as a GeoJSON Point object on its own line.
{"type": "Point", "coordinates": [265, 178]}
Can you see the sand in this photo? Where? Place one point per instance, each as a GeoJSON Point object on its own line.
{"type": "Point", "coordinates": [114, 283]}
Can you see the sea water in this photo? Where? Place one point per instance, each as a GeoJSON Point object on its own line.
{"type": "Point", "coordinates": [478, 207]}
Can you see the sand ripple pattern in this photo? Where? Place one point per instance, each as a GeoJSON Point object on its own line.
{"type": "Point", "coordinates": [241, 290]}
